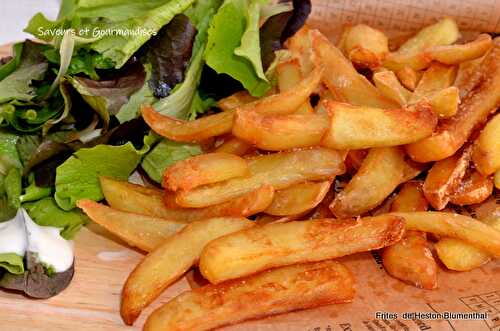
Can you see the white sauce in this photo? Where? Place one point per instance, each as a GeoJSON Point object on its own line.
{"type": "Point", "coordinates": [46, 241]}
{"type": "Point", "coordinates": [13, 235]}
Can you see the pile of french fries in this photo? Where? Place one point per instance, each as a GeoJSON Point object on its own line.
{"type": "Point", "coordinates": [291, 183]}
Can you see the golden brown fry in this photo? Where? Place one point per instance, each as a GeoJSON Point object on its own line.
{"type": "Point", "coordinates": [436, 78]}
{"type": "Point", "coordinates": [456, 54]}
{"type": "Point", "coordinates": [408, 77]}
{"type": "Point", "coordinates": [234, 146]}
{"type": "Point", "coordinates": [300, 46]}
{"type": "Point", "coordinates": [289, 74]}
{"type": "Point", "coordinates": [468, 76]}
{"type": "Point", "coordinates": [355, 127]}
{"type": "Point", "coordinates": [410, 198]}
{"type": "Point", "coordinates": [460, 256]}
{"type": "Point", "coordinates": [486, 153]}
{"type": "Point", "coordinates": [445, 102]}
{"type": "Point", "coordinates": [203, 169]}
{"type": "Point", "coordinates": [235, 100]}
{"type": "Point", "coordinates": [382, 171]}
{"type": "Point", "coordinates": [364, 46]}
{"type": "Point", "coordinates": [472, 190]}
{"type": "Point", "coordinates": [129, 198]}
{"type": "Point", "coordinates": [271, 292]}
{"type": "Point", "coordinates": [280, 132]}
{"type": "Point", "coordinates": [389, 86]}
{"type": "Point", "coordinates": [456, 226]}
{"type": "Point", "coordinates": [453, 132]}
{"type": "Point", "coordinates": [298, 198]}
{"type": "Point", "coordinates": [280, 170]}
{"type": "Point", "coordinates": [354, 160]}
{"type": "Point", "coordinates": [343, 80]}
{"type": "Point", "coordinates": [141, 231]}
{"type": "Point", "coordinates": [496, 179]}
{"type": "Point", "coordinates": [444, 178]}
{"type": "Point", "coordinates": [170, 261]}
{"type": "Point", "coordinates": [274, 245]}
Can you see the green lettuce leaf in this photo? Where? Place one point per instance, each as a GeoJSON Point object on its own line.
{"type": "Point", "coordinates": [45, 212]}
{"type": "Point", "coordinates": [165, 154]}
{"type": "Point", "coordinates": [13, 187]}
{"type": "Point", "coordinates": [78, 177]}
{"type": "Point", "coordinates": [33, 192]}
{"type": "Point", "coordinates": [9, 156]}
{"type": "Point", "coordinates": [12, 65]}
{"type": "Point", "coordinates": [224, 37]}
{"type": "Point", "coordinates": [13, 263]}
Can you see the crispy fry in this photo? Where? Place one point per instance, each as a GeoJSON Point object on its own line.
{"type": "Point", "coordinates": [343, 80]}
{"type": "Point", "coordinates": [456, 226]}
{"type": "Point", "coordinates": [289, 74]}
{"type": "Point", "coordinates": [460, 256]}
{"type": "Point", "coordinates": [410, 198]}
{"type": "Point", "coordinates": [382, 171]}
{"type": "Point", "coordinates": [445, 102]}
{"type": "Point", "coordinates": [444, 178]}
{"type": "Point", "coordinates": [234, 146]}
{"type": "Point", "coordinates": [436, 78]}
{"type": "Point", "coordinates": [273, 245]}
{"type": "Point", "coordinates": [486, 153]}
{"type": "Point", "coordinates": [300, 46]}
{"type": "Point", "coordinates": [456, 54]}
{"type": "Point", "coordinates": [298, 198]}
{"type": "Point", "coordinates": [364, 45]}
{"type": "Point", "coordinates": [280, 132]}
{"type": "Point", "coordinates": [472, 190]}
{"type": "Point", "coordinates": [408, 77]}
{"type": "Point", "coordinates": [141, 231]}
{"type": "Point", "coordinates": [453, 132]}
{"type": "Point", "coordinates": [129, 198]}
{"type": "Point", "coordinates": [389, 86]}
{"type": "Point", "coordinates": [203, 169]}
{"type": "Point", "coordinates": [280, 170]}
{"type": "Point", "coordinates": [271, 292]}
{"type": "Point", "coordinates": [355, 127]}
{"type": "Point", "coordinates": [412, 52]}
{"type": "Point", "coordinates": [468, 76]}
{"type": "Point", "coordinates": [354, 160]}
{"type": "Point", "coordinates": [170, 261]}
{"type": "Point", "coordinates": [235, 100]}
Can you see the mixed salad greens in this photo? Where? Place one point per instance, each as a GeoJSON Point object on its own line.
{"type": "Point", "coordinates": [69, 107]}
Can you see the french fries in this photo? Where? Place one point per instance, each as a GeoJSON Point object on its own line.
{"type": "Point", "coordinates": [273, 245]}
{"type": "Point", "coordinates": [474, 189]}
{"type": "Point", "coordinates": [300, 46]}
{"type": "Point", "coordinates": [389, 85]}
{"type": "Point", "coordinates": [456, 226]}
{"type": "Point", "coordinates": [280, 170]}
{"type": "Point", "coordinates": [203, 169]}
{"type": "Point", "coordinates": [235, 100]}
{"type": "Point", "coordinates": [141, 231]}
{"type": "Point", "coordinates": [130, 198]}
{"type": "Point", "coordinates": [382, 171]}
{"type": "Point", "coordinates": [486, 153]}
{"type": "Point", "coordinates": [456, 54]}
{"type": "Point", "coordinates": [468, 76]}
{"type": "Point", "coordinates": [271, 292]}
{"type": "Point", "coordinates": [434, 79]}
{"type": "Point", "coordinates": [445, 102]}
{"type": "Point", "coordinates": [170, 261]}
{"type": "Point", "coordinates": [289, 74]}
{"type": "Point", "coordinates": [453, 132]}
{"type": "Point", "coordinates": [343, 80]}
{"type": "Point", "coordinates": [460, 256]}
{"type": "Point", "coordinates": [408, 77]}
{"type": "Point", "coordinates": [354, 127]}
{"type": "Point", "coordinates": [298, 198]}
{"type": "Point", "coordinates": [280, 132]}
{"type": "Point", "coordinates": [364, 45]}
{"type": "Point", "coordinates": [496, 179]}
{"type": "Point", "coordinates": [410, 260]}
{"type": "Point", "coordinates": [234, 146]}
{"type": "Point", "coordinates": [444, 178]}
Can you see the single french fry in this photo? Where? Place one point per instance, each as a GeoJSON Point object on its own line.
{"type": "Point", "coordinates": [235, 100]}
{"type": "Point", "coordinates": [472, 190]}
{"type": "Point", "coordinates": [445, 102]}
{"type": "Point", "coordinates": [204, 169]}
{"type": "Point", "coordinates": [301, 47]}
{"type": "Point", "coordinates": [486, 153]}
{"type": "Point", "coordinates": [271, 292]}
{"type": "Point", "coordinates": [234, 146]}
{"type": "Point", "coordinates": [410, 198]}
{"type": "Point", "coordinates": [445, 177]}
{"type": "Point", "coordinates": [141, 231]}
{"type": "Point", "coordinates": [456, 226]}
{"type": "Point", "coordinates": [382, 171]}
{"type": "Point", "coordinates": [343, 80]}
{"type": "Point", "coordinates": [354, 127]}
{"type": "Point", "coordinates": [170, 261]}
{"type": "Point", "coordinates": [456, 54]}
{"type": "Point", "coordinates": [280, 132]}
{"type": "Point", "coordinates": [460, 256]}
{"type": "Point", "coordinates": [279, 170]}
{"type": "Point", "coordinates": [365, 46]}
{"type": "Point", "coordinates": [436, 78]}
{"type": "Point", "coordinates": [129, 198]}
{"type": "Point", "coordinates": [298, 198]}
{"type": "Point", "coordinates": [412, 52]}
{"type": "Point", "coordinates": [289, 74]}
{"type": "Point", "coordinates": [389, 86]}
{"type": "Point", "coordinates": [408, 77]}
{"type": "Point", "coordinates": [452, 133]}
{"type": "Point", "coordinates": [274, 245]}
{"type": "Point", "coordinates": [468, 76]}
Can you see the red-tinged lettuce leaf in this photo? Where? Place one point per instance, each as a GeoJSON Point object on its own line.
{"type": "Point", "coordinates": [169, 53]}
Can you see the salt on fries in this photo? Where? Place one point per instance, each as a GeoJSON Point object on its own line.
{"type": "Point", "coordinates": [302, 168]}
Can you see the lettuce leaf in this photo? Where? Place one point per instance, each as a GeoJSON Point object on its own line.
{"type": "Point", "coordinates": [9, 156]}
{"type": "Point", "coordinates": [45, 212]}
{"type": "Point", "coordinates": [9, 67]}
{"type": "Point", "coordinates": [165, 154]}
{"type": "Point", "coordinates": [13, 263]}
